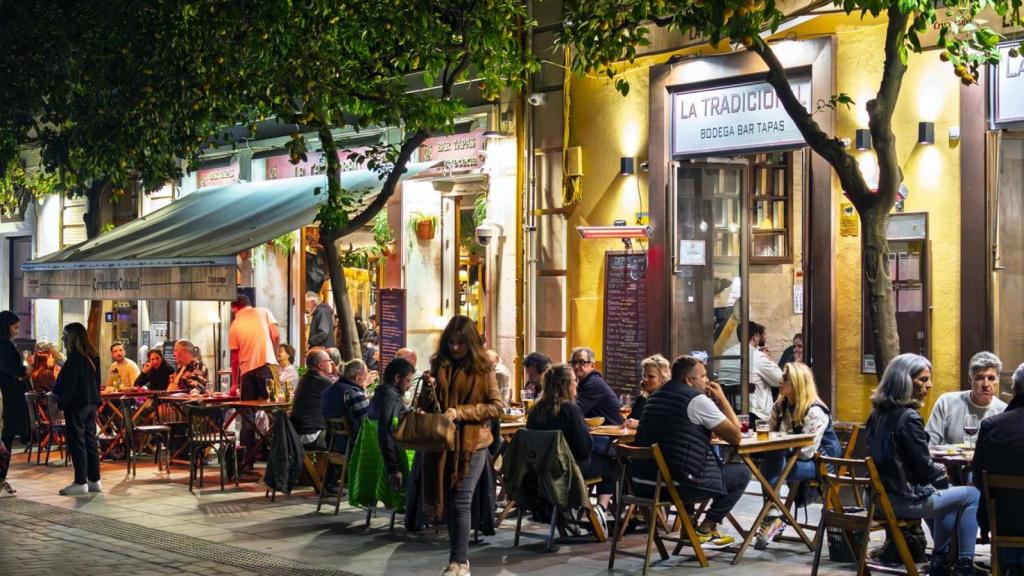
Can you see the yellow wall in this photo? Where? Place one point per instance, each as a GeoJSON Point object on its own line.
{"type": "Point", "coordinates": [608, 126]}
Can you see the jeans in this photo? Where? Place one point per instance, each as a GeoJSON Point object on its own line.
{"type": "Point", "coordinates": [5, 461]}
{"type": "Point", "coordinates": [735, 476]}
{"type": "Point", "coordinates": [953, 509]}
{"type": "Point", "coordinates": [82, 444]}
{"type": "Point", "coordinates": [774, 462]}
{"type": "Point", "coordinates": [253, 386]}
{"type": "Point", "coordinates": [458, 504]}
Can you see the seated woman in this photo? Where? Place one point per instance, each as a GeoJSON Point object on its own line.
{"type": "Point", "coordinates": [155, 374]}
{"type": "Point", "coordinates": [656, 372]}
{"type": "Point", "coordinates": [378, 466]}
{"type": "Point", "coordinates": [557, 410]}
{"type": "Point", "coordinates": [45, 368]}
{"type": "Point", "coordinates": [915, 484]}
{"type": "Point", "coordinates": [797, 411]}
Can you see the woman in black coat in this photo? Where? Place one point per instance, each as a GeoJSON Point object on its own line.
{"type": "Point", "coordinates": [13, 382]}
{"type": "Point", "coordinates": [78, 388]}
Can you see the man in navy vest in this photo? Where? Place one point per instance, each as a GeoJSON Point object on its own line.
{"type": "Point", "coordinates": [696, 468]}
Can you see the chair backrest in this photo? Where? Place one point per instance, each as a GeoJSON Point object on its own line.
{"type": "Point", "coordinates": [627, 456]}
{"type": "Point", "coordinates": [338, 427]}
{"type": "Point", "coordinates": [848, 434]}
{"type": "Point", "coordinates": [127, 406]}
{"type": "Point", "coordinates": [31, 403]}
{"type": "Point", "coordinates": [169, 412]}
{"type": "Point", "coordinates": [205, 424]}
{"type": "Point", "coordinates": [53, 411]}
{"type": "Point", "coordinates": [996, 486]}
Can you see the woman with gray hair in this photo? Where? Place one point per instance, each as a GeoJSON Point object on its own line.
{"type": "Point", "coordinates": [946, 423]}
{"type": "Point", "coordinates": [656, 371]}
{"type": "Point", "coordinates": [916, 485]}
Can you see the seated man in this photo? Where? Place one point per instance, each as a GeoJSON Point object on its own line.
{"type": "Point", "coordinates": [1001, 451]}
{"type": "Point", "coordinates": [596, 397]}
{"type": "Point", "coordinates": [347, 398]}
{"type": "Point", "coordinates": [123, 371]}
{"type": "Point", "coordinates": [946, 423]}
{"type": "Point", "coordinates": [191, 373]}
{"type": "Point", "coordinates": [765, 374]}
{"type": "Point", "coordinates": [307, 406]}
{"type": "Point", "coordinates": [534, 365]}
{"type": "Point", "coordinates": [695, 466]}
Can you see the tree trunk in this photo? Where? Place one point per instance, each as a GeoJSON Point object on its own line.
{"type": "Point", "coordinates": [880, 304]}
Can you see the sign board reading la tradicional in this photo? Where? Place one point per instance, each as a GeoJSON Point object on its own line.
{"type": "Point", "coordinates": [734, 118]}
{"type": "Point", "coordinates": [1008, 88]}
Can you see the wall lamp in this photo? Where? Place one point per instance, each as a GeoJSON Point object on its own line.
{"type": "Point", "coordinates": [863, 139]}
{"type": "Point", "coordinates": [620, 232]}
{"type": "Point", "coordinates": [627, 166]}
{"type": "Point", "coordinates": [926, 132]}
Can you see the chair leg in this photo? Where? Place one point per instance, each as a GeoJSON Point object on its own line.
{"type": "Point", "coordinates": [391, 528]}
{"type": "Point", "coordinates": [320, 498]}
{"type": "Point", "coordinates": [551, 528]}
{"type": "Point", "coordinates": [819, 541]}
{"type": "Point", "coordinates": [519, 525]}
{"type": "Point", "coordinates": [342, 482]}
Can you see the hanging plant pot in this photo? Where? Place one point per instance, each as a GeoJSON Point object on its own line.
{"type": "Point", "coordinates": [387, 250]}
{"type": "Point", "coordinates": [425, 229]}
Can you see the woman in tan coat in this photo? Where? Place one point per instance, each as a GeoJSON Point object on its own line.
{"type": "Point", "coordinates": [465, 389]}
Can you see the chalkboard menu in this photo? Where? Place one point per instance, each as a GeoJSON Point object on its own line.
{"type": "Point", "coordinates": [625, 319]}
{"type": "Point", "coordinates": [391, 318]}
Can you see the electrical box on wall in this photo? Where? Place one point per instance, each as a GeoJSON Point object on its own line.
{"type": "Point", "coordinates": [574, 161]}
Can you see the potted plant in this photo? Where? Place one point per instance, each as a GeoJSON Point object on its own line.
{"type": "Point", "coordinates": [383, 233]}
{"type": "Point", "coordinates": [423, 226]}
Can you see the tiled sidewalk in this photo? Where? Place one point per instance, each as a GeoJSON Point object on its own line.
{"type": "Point", "coordinates": [239, 531]}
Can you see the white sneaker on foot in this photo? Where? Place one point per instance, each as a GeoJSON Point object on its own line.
{"type": "Point", "coordinates": [456, 569]}
{"type": "Point", "coordinates": [95, 486]}
{"type": "Point", "coordinates": [74, 489]}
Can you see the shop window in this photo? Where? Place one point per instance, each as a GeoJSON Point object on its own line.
{"type": "Point", "coordinates": [1008, 276]}
{"type": "Point", "coordinates": [770, 207]}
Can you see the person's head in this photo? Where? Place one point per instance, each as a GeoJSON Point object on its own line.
{"type": "Point", "coordinates": [798, 347]}
{"type": "Point", "coordinates": [285, 354]}
{"type": "Point", "coordinates": [155, 358]}
{"type": "Point", "coordinates": [690, 371]}
{"type": "Point", "coordinates": [373, 321]}
{"type": "Point", "coordinates": [312, 300]}
{"type": "Point", "coordinates": [799, 389]}
{"type": "Point", "coordinates": [117, 351]}
{"type": "Point", "coordinates": [9, 325]}
{"type": "Point", "coordinates": [905, 382]}
{"type": "Point", "coordinates": [461, 344]}
{"type": "Point", "coordinates": [184, 352]}
{"type": "Point", "coordinates": [755, 333]}
{"type": "Point", "coordinates": [335, 356]}
{"type": "Point", "coordinates": [656, 371]}
{"type": "Point", "coordinates": [535, 364]}
{"type": "Point", "coordinates": [407, 354]}
{"type": "Point", "coordinates": [559, 384]}
{"type": "Point", "coordinates": [984, 369]}
{"type": "Point", "coordinates": [582, 362]}
{"type": "Point", "coordinates": [240, 302]}
{"type": "Point", "coordinates": [356, 371]}
{"type": "Point", "coordinates": [1017, 381]}
{"type": "Point", "coordinates": [360, 328]}
{"type": "Point", "coordinates": [76, 339]}
{"type": "Point", "coordinates": [398, 373]}
{"type": "Point", "coordinates": [317, 360]}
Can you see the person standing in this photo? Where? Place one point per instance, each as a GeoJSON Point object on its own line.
{"type": "Point", "coordinates": [946, 422]}
{"type": "Point", "coordinates": [123, 371]}
{"type": "Point", "coordinates": [5, 459]}
{"type": "Point", "coordinates": [252, 339]}
{"type": "Point", "coordinates": [321, 322]}
{"type": "Point", "coordinates": [463, 388]}
{"type": "Point", "coordinates": [12, 381]}
{"type": "Point", "coordinates": [78, 389]}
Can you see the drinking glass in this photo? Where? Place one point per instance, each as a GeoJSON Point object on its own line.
{"type": "Point", "coordinates": [763, 428]}
{"type": "Point", "coordinates": [627, 405]}
{"type": "Point", "coordinates": [744, 424]}
{"type": "Point", "coordinates": [528, 398]}
{"type": "Point", "coordinates": [970, 429]}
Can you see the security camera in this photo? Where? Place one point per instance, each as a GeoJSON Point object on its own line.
{"type": "Point", "coordinates": [486, 232]}
{"type": "Point", "coordinates": [538, 99]}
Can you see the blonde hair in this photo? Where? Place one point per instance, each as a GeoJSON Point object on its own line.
{"type": "Point", "coordinates": [805, 391]}
{"type": "Point", "coordinates": [659, 363]}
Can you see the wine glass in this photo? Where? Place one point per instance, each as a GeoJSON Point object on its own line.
{"type": "Point", "coordinates": [970, 429]}
{"type": "Point", "coordinates": [627, 405]}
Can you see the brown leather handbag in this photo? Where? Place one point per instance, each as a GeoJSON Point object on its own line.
{"type": "Point", "coordinates": [426, 431]}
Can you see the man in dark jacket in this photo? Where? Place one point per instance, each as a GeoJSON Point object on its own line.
{"type": "Point", "coordinates": [1000, 450]}
{"type": "Point", "coordinates": [596, 397]}
{"type": "Point", "coordinates": [346, 398]}
{"type": "Point", "coordinates": [307, 407]}
{"type": "Point", "coordinates": [686, 443]}
{"type": "Point", "coordinates": [321, 322]}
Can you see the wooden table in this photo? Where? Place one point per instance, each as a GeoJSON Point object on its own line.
{"type": "Point", "coordinates": [247, 410]}
{"type": "Point", "coordinates": [109, 411]}
{"type": "Point", "coordinates": [747, 448]}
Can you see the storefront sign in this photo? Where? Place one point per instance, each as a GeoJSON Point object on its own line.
{"type": "Point", "coordinates": [392, 320]}
{"type": "Point", "coordinates": [849, 225]}
{"type": "Point", "coordinates": [1008, 88]}
{"type": "Point", "coordinates": [167, 283]}
{"type": "Point", "coordinates": [206, 177]}
{"type": "Point", "coordinates": [458, 153]}
{"type": "Point", "coordinates": [735, 118]}
{"type": "Point", "coordinates": [277, 167]}
{"type": "Point", "coordinates": [625, 319]}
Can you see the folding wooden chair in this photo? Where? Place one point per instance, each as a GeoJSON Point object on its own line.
{"type": "Point", "coordinates": [839, 473]}
{"type": "Point", "coordinates": [995, 485]}
{"type": "Point", "coordinates": [629, 503]}
{"type": "Point", "coordinates": [337, 427]}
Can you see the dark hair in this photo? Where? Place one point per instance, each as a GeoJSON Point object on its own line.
{"type": "Point", "coordinates": [240, 301]}
{"type": "Point", "coordinates": [683, 366]}
{"type": "Point", "coordinates": [397, 368]}
{"type": "Point", "coordinates": [537, 361]}
{"type": "Point", "coordinates": [462, 328]}
{"type": "Point", "coordinates": [156, 351]}
{"type": "Point", "coordinates": [288, 350]}
{"type": "Point", "coordinates": [116, 343]}
{"type": "Point", "coordinates": [76, 339]}
{"type": "Point", "coordinates": [7, 319]}
{"type": "Point", "coordinates": [753, 329]}
{"type": "Point", "coordinates": [555, 382]}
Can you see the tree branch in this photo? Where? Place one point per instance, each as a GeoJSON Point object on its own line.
{"type": "Point", "coordinates": [880, 110]}
{"type": "Point", "coordinates": [828, 147]}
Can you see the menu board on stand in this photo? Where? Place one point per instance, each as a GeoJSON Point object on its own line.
{"type": "Point", "coordinates": [625, 313]}
{"type": "Point", "coordinates": [392, 322]}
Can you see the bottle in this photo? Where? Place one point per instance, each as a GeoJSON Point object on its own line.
{"type": "Point", "coordinates": [287, 392]}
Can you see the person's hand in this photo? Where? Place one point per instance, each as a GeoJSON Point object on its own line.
{"type": "Point", "coordinates": [146, 367]}
{"type": "Point", "coordinates": [396, 480]}
{"type": "Point", "coordinates": [452, 414]}
{"type": "Point", "coordinates": [715, 392]}
{"type": "Point", "coordinates": [632, 423]}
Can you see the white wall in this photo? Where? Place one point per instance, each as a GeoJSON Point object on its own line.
{"type": "Point", "coordinates": [46, 314]}
{"type": "Point", "coordinates": [501, 208]}
{"type": "Point", "coordinates": [422, 272]}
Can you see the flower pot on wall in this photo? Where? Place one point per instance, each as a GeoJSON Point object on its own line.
{"type": "Point", "coordinates": [425, 229]}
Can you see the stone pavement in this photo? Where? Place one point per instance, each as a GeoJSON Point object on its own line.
{"type": "Point", "coordinates": [153, 525]}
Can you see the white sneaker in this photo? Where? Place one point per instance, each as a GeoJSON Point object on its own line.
{"type": "Point", "coordinates": [456, 569]}
{"type": "Point", "coordinates": [95, 486]}
{"type": "Point", "coordinates": [74, 489]}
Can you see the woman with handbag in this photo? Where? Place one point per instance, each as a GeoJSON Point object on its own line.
{"type": "Point", "coordinates": [464, 389]}
{"type": "Point", "coordinates": [78, 388]}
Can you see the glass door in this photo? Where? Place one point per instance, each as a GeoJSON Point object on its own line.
{"type": "Point", "coordinates": [1008, 273]}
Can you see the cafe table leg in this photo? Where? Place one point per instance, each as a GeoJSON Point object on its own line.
{"type": "Point", "coordinates": [774, 502]}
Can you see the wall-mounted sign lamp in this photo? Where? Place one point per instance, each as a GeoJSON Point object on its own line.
{"type": "Point", "coordinates": [926, 132]}
{"type": "Point", "coordinates": [622, 232]}
{"type": "Point", "coordinates": [626, 166]}
{"type": "Point", "coordinates": [863, 139]}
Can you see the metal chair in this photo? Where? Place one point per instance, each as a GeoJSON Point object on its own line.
{"type": "Point", "coordinates": [57, 428]}
{"type": "Point", "coordinates": [158, 433]}
{"type": "Point", "coordinates": [206, 432]}
{"type": "Point", "coordinates": [337, 427]}
{"type": "Point", "coordinates": [35, 427]}
{"type": "Point", "coordinates": [997, 485]}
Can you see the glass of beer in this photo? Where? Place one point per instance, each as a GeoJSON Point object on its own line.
{"type": "Point", "coordinates": [528, 399]}
{"type": "Point", "coordinates": [762, 430]}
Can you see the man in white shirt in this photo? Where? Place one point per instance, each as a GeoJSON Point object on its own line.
{"type": "Point", "coordinates": [946, 423]}
{"type": "Point", "coordinates": [765, 374]}
{"type": "Point", "coordinates": [123, 371]}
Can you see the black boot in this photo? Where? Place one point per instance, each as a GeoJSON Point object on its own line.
{"type": "Point", "coordinates": [939, 567]}
{"type": "Point", "coordinates": [965, 567]}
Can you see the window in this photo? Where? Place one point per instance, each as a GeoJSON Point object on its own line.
{"type": "Point", "coordinates": [770, 208]}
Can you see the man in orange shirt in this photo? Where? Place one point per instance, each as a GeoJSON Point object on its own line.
{"type": "Point", "coordinates": [252, 339]}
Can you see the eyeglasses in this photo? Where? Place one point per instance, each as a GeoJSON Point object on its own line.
{"type": "Point", "coordinates": [580, 362]}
